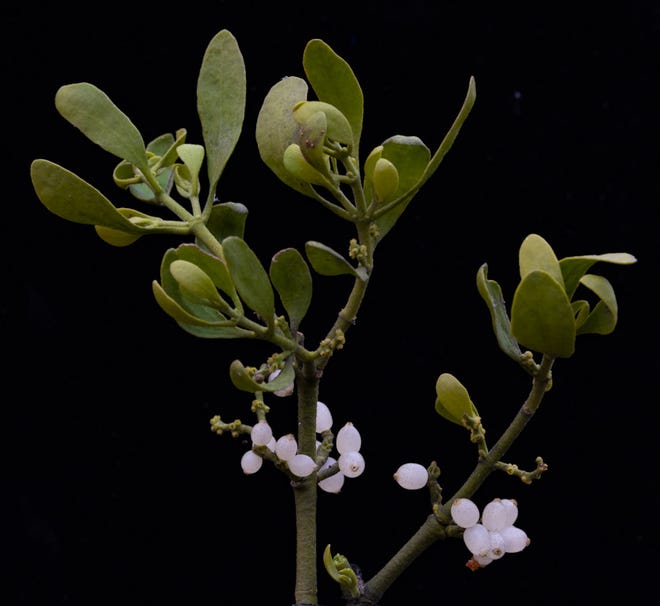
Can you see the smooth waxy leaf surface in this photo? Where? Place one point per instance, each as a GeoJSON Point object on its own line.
{"type": "Point", "coordinates": [536, 254]}
{"type": "Point", "coordinates": [227, 219]}
{"type": "Point", "coordinates": [603, 318]}
{"type": "Point", "coordinates": [573, 268]}
{"type": "Point", "coordinates": [542, 317]}
{"type": "Point", "coordinates": [242, 379]}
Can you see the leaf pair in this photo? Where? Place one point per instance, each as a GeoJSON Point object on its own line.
{"type": "Point", "coordinates": [544, 316]}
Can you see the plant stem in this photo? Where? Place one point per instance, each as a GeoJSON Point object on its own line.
{"type": "Point", "coordinates": [307, 379]}
{"type": "Point", "coordinates": [433, 528]}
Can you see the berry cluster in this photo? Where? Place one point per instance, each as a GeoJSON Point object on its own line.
{"type": "Point", "coordinates": [348, 464]}
{"type": "Point", "coordinates": [494, 535]}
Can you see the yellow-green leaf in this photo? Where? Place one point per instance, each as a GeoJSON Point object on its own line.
{"type": "Point", "coordinates": [452, 399]}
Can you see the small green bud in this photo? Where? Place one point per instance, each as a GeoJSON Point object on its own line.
{"type": "Point", "coordinates": [385, 179]}
{"type": "Point", "coordinates": [295, 162]}
{"type": "Point", "coordinates": [339, 129]}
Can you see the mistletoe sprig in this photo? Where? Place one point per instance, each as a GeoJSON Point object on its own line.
{"type": "Point", "coordinates": [214, 286]}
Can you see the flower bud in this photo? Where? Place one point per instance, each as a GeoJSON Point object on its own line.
{"type": "Point", "coordinates": [385, 179]}
{"type": "Point", "coordinates": [411, 476]}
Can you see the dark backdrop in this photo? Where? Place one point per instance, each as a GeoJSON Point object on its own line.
{"type": "Point", "coordinates": [117, 491]}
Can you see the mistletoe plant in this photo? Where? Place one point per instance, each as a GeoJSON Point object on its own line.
{"type": "Point", "coordinates": [216, 287]}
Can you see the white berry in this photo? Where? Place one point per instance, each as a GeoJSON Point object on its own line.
{"type": "Point", "coordinates": [251, 462]}
{"type": "Point", "coordinates": [511, 511]}
{"type": "Point", "coordinates": [515, 539]}
{"type": "Point", "coordinates": [323, 417]}
{"type": "Point", "coordinates": [494, 515]}
{"type": "Point", "coordinates": [411, 476]}
{"type": "Point", "coordinates": [261, 433]}
{"type": "Point", "coordinates": [351, 463]}
{"type": "Point", "coordinates": [477, 539]}
{"type": "Point", "coordinates": [286, 447]}
{"type": "Point", "coordinates": [348, 438]}
{"type": "Point", "coordinates": [333, 483]}
{"type": "Point", "coordinates": [301, 465]}
{"type": "Point", "coordinates": [465, 512]}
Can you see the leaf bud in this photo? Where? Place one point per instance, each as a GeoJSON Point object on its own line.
{"type": "Point", "coordinates": [385, 179]}
{"type": "Point", "coordinates": [339, 128]}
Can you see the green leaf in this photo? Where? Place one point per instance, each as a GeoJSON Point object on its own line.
{"type": "Point", "coordinates": [194, 317]}
{"type": "Point", "coordinates": [71, 198]}
{"type": "Point", "coordinates": [542, 317]}
{"type": "Point", "coordinates": [276, 129]}
{"type": "Point", "coordinates": [227, 219]}
{"type": "Point", "coordinates": [536, 254]}
{"type": "Point", "coordinates": [453, 400]}
{"type": "Point", "coordinates": [243, 381]}
{"type": "Point", "coordinates": [603, 318]}
{"type": "Point", "coordinates": [215, 268]}
{"type": "Point", "coordinates": [334, 82]}
{"type": "Point", "coordinates": [328, 262]}
{"type": "Point", "coordinates": [250, 278]}
{"type": "Point", "coordinates": [573, 268]}
{"type": "Point", "coordinates": [221, 92]}
{"type": "Point", "coordinates": [491, 293]}
{"type": "Point", "coordinates": [410, 157]}
{"type": "Point", "coordinates": [91, 110]}
{"type": "Point", "coordinates": [292, 279]}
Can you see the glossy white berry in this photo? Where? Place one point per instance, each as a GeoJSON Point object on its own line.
{"type": "Point", "coordinates": [333, 483]}
{"type": "Point", "coordinates": [348, 438]}
{"type": "Point", "coordinates": [323, 417]}
{"type": "Point", "coordinates": [351, 463]}
{"type": "Point", "coordinates": [261, 433]}
{"type": "Point", "coordinates": [496, 550]}
{"type": "Point", "coordinates": [511, 511]}
{"type": "Point", "coordinates": [301, 465]}
{"type": "Point", "coordinates": [251, 462]}
{"type": "Point", "coordinates": [515, 539]}
{"type": "Point", "coordinates": [411, 476]}
{"type": "Point", "coordinates": [464, 512]}
{"type": "Point", "coordinates": [271, 444]}
{"type": "Point", "coordinates": [477, 539]}
{"type": "Point", "coordinates": [481, 559]}
{"type": "Point", "coordinates": [495, 515]}
{"type": "Point", "coordinates": [286, 447]}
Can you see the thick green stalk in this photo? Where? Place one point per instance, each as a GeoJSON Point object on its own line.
{"type": "Point", "coordinates": [433, 528]}
{"type": "Point", "coordinates": [307, 380]}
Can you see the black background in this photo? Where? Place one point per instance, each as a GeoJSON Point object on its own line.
{"type": "Point", "coordinates": [118, 493]}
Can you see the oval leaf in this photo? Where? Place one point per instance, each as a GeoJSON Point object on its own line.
{"type": "Point", "coordinates": [197, 284]}
{"type": "Point", "coordinates": [573, 268]}
{"type": "Point", "coordinates": [70, 197]}
{"type": "Point", "coordinates": [541, 316]}
{"type": "Point", "coordinates": [328, 262]}
{"type": "Point", "coordinates": [536, 254]}
{"type": "Point", "coordinates": [91, 110]}
{"type": "Point", "coordinates": [292, 279]}
{"type": "Point", "coordinates": [250, 278]}
{"type": "Point", "coordinates": [221, 91]}
{"type": "Point", "coordinates": [334, 82]}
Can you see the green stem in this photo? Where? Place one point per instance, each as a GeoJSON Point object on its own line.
{"type": "Point", "coordinates": [433, 528]}
{"type": "Point", "coordinates": [307, 380]}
